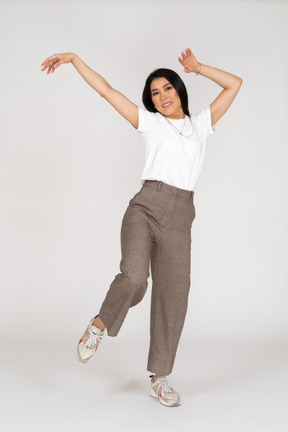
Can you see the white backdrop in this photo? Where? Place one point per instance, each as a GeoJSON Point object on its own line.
{"type": "Point", "coordinates": [69, 163]}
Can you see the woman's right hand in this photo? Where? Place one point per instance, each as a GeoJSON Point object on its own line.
{"type": "Point", "coordinates": [56, 60]}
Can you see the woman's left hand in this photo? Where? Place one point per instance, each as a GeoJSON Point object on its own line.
{"type": "Point", "coordinates": [188, 60]}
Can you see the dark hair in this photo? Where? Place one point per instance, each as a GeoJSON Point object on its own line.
{"type": "Point", "coordinates": [174, 79]}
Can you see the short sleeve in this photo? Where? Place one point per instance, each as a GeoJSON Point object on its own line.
{"type": "Point", "coordinates": [146, 120]}
{"type": "Point", "coordinates": [202, 120]}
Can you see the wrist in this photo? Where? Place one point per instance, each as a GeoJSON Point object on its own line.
{"type": "Point", "coordinates": [73, 57]}
{"type": "Point", "coordinates": [198, 68]}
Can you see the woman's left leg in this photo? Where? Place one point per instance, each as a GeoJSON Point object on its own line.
{"type": "Point", "coordinates": [170, 272]}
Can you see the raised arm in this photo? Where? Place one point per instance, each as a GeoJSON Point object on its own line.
{"type": "Point", "coordinates": [120, 102]}
{"type": "Point", "coordinates": [231, 83]}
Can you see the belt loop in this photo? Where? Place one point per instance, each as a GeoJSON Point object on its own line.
{"type": "Point", "coordinates": [191, 194]}
{"type": "Point", "coordinates": [159, 186]}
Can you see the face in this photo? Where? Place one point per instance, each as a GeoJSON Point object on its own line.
{"type": "Point", "coordinates": [166, 99]}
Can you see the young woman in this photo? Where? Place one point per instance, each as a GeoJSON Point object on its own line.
{"type": "Point", "coordinates": [156, 226]}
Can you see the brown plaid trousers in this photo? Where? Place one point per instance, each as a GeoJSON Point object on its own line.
{"type": "Point", "coordinates": [156, 229]}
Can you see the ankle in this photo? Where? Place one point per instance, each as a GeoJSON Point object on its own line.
{"type": "Point", "coordinates": [156, 376]}
{"type": "Point", "coordinates": [99, 323]}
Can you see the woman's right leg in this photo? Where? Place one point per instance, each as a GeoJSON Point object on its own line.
{"type": "Point", "coordinates": [98, 323]}
{"type": "Point", "coordinates": [129, 287]}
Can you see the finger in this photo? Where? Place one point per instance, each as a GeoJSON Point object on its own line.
{"type": "Point", "coordinates": [48, 65]}
{"type": "Point", "coordinates": [44, 67]}
{"type": "Point", "coordinates": [47, 60]}
{"type": "Point", "coordinates": [183, 54]}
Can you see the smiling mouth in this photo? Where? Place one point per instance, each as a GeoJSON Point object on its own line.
{"type": "Point", "coordinates": [166, 105]}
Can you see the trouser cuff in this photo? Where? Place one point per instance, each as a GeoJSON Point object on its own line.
{"type": "Point", "coordinates": [159, 363]}
{"type": "Point", "coordinates": [111, 323]}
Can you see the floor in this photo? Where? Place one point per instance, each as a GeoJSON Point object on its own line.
{"type": "Point", "coordinates": [224, 387]}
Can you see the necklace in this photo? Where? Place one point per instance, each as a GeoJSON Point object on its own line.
{"type": "Point", "coordinates": [176, 127]}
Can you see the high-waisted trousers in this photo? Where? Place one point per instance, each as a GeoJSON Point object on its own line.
{"type": "Point", "coordinates": [156, 229]}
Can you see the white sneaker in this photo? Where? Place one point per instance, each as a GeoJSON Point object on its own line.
{"type": "Point", "coordinates": [161, 390]}
{"type": "Point", "coordinates": [89, 342]}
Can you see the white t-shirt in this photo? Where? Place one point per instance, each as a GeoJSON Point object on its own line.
{"type": "Point", "coordinates": [170, 157]}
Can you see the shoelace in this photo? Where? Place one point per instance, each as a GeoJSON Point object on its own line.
{"type": "Point", "coordinates": [92, 339]}
{"type": "Point", "coordinates": [165, 386]}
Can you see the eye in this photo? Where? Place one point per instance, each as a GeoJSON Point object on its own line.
{"type": "Point", "coordinates": [166, 88]}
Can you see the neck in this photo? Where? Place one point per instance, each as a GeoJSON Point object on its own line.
{"type": "Point", "coordinates": [176, 116]}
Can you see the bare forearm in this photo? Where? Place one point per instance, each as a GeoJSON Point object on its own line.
{"type": "Point", "coordinates": [95, 80]}
{"type": "Point", "coordinates": [224, 79]}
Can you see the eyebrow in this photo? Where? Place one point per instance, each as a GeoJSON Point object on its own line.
{"type": "Point", "coordinates": [162, 86]}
